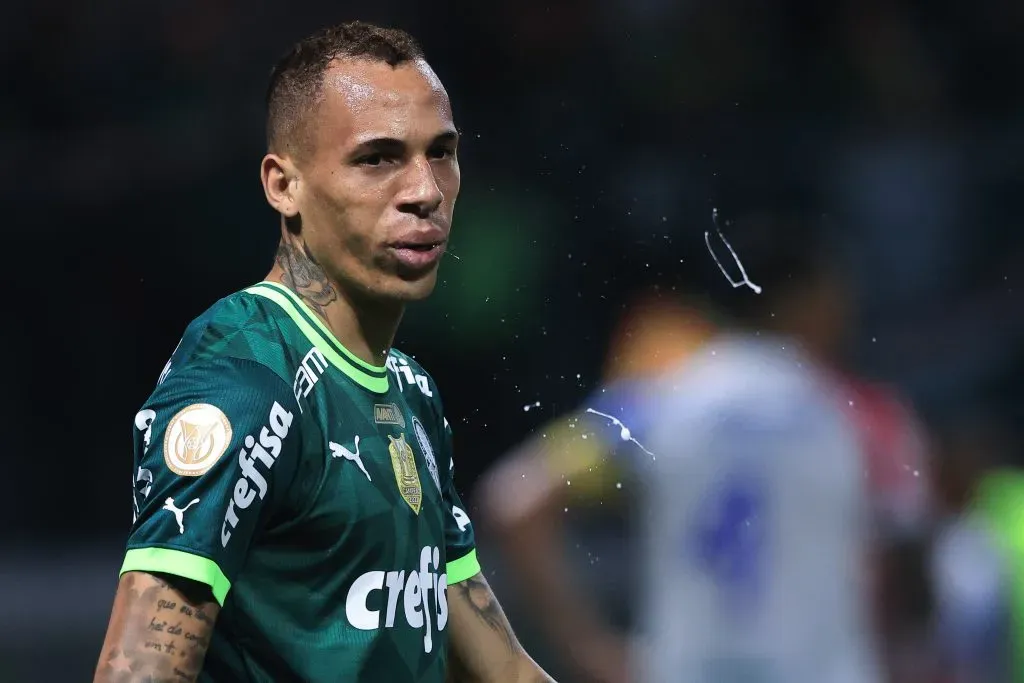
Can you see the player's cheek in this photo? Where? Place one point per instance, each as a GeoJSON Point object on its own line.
{"type": "Point", "coordinates": [449, 179]}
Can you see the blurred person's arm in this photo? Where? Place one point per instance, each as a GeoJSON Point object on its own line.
{"type": "Point", "coordinates": [159, 630]}
{"type": "Point", "coordinates": [522, 499]}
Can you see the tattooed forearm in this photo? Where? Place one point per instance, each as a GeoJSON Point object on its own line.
{"type": "Point", "coordinates": [304, 276]}
{"type": "Point", "coordinates": [158, 632]}
{"type": "Point", "coordinates": [484, 648]}
{"type": "Point", "coordinates": [477, 594]}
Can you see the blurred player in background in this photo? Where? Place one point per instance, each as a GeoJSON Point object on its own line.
{"type": "Point", "coordinates": [296, 517]}
{"type": "Point", "coordinates": [561, 490]}
{"type": "Point", "coordinates": [753, 508]}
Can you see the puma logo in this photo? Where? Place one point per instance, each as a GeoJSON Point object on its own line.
{"type": "Point", "coordinates": [339, 451]}
{"type": "Point", "coordinates": [179, 513]}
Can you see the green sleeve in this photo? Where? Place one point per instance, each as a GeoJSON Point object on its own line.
{"type": "Point", "coordinates": [216, 447]}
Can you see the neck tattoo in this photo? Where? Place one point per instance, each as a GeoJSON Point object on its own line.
{"type": "Point", "coordinates": [304, 276]}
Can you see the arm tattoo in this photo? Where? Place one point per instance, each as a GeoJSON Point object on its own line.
{"type": "Point", "coordinates": [164, 633]}
{"type": "Point", "coordinates": [304, 276]}
{"type": "Point", "coordinates": [478, 595]}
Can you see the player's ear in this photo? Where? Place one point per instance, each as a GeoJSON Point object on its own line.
{"type": "Point", "coordinates": [280, 179]}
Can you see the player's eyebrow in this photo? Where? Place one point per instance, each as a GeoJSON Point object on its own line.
{"type": "Point", "coordinates": [447, 137]}
{"type": "Point", "coordinates": [395, 146]}
{"type": "Point", "coordinates": [381, 145]}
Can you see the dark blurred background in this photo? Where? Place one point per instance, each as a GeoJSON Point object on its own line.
{"type": "Point", "coordinates": [598, 137]}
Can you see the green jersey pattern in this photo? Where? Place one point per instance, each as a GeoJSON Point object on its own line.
{"type": "Point", "coordinates": [311, 491]}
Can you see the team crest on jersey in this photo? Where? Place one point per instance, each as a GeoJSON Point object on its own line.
{"type": "Point", "coordinates": [388, 414]}
{"type": "Point", "coordinates": [195, 439]}
{"type": "Point", "coordinates": [403, 461]}
{"type": "Point", "coordinates": [428, 451]}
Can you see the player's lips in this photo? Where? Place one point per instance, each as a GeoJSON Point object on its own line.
{"type": "Point", "coordinates": [419, 250]}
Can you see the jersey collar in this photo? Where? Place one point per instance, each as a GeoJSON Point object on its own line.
{"type": "Point", "coordinates": [372, 377]}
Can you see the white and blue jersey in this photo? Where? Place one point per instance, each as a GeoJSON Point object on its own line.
{"type": "Point", "coordinates": [752, 515]}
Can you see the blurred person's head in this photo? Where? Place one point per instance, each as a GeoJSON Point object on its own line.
{"type": "Point", "coordinates": [361, 161]}
{"type": "Point", "coordinates": [803, 292]}
{"type": "Point", "coordinates": [655, 332]}
{"type": "Point", "coordinates": [659, 316]}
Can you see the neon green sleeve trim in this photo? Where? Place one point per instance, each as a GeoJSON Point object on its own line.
{"type": "Point", "coordinates": [179, 563]}
{"type": "Point", "coordinates": [463, 568]}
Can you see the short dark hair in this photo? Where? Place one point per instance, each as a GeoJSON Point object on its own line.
{"type": "Point", "coordinates": [296, 82]}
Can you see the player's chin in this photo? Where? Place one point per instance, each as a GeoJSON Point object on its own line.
{"type": "Point", "coordinates": [410, 287]}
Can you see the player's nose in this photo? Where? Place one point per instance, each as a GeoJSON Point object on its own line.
{"type": "Point", "coordinates": [420, 194]}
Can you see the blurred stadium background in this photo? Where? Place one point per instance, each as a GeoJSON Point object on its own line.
{"type": "Point", "coordinates": [598, 137]}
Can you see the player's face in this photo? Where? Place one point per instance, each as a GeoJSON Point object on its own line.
{"type": "Point", "coordinates": [380, 182]}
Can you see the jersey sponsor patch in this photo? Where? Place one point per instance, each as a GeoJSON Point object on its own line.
{"type": "Point", "coordinates": [144, 423]}
{"type": "Point", "coordinates": [142, 484]}
{"type": "Point", "coordinates": [388, 414]}
{"type": "Point", "coordinates": [313, 365]}
{"type": "Point", "coordinates": [255, 460]}
{"type": "Point", "coordinates": [374, 598]}
{"type": "Point", "coordinates": [195, 439]}
{"type": "Point", "coordinates": [403, 461]}
{"type": "Point", "coordinates": [428, 450]}
{"type": "Point", "coordinates": [405, 376]}
{"type": "Point", "coordinates": [461, 518]}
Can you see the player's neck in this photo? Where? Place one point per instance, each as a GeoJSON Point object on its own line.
{"type": "Point", "coordinates": [365, 328]}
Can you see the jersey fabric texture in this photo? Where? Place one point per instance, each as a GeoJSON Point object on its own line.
{"type": "Point", "coordinates": [313, 492]}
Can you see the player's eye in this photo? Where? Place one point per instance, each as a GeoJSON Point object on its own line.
{"type": "Point", "coordinates": [375, 159]}
{"type": "Point", "coordinates": [441, 152]}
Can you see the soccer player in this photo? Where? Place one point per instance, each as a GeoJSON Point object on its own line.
{"type": "Point", "coordinates": [295, 512]}
{"type": "Point", "coordinates": [750, 501]}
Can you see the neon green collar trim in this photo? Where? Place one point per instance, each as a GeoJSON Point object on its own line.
{"type": "Point", "coordinates": [371, 377]}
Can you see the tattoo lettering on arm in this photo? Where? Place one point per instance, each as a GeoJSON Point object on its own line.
{"type": "Point", "coordinates": [159, 630]}
{"type": "Point", "coordinates": [304, 276]}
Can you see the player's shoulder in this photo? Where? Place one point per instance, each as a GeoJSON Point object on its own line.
{"type": "Point", "coordinates": [241, 330]}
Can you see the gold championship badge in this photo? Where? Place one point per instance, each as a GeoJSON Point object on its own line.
{"type": "Point", "coordinates": [195, 439]}
{"type": "Point", "coordinates": [403, 461]}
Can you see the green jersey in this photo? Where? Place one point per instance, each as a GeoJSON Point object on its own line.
{"type": "Point", "coordinates": [310, 490]}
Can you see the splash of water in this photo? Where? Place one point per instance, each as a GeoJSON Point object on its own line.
{"type": "Point", "coordinates": [624, 432]}
{"type": "Point", "coordinates": [707, 240]}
